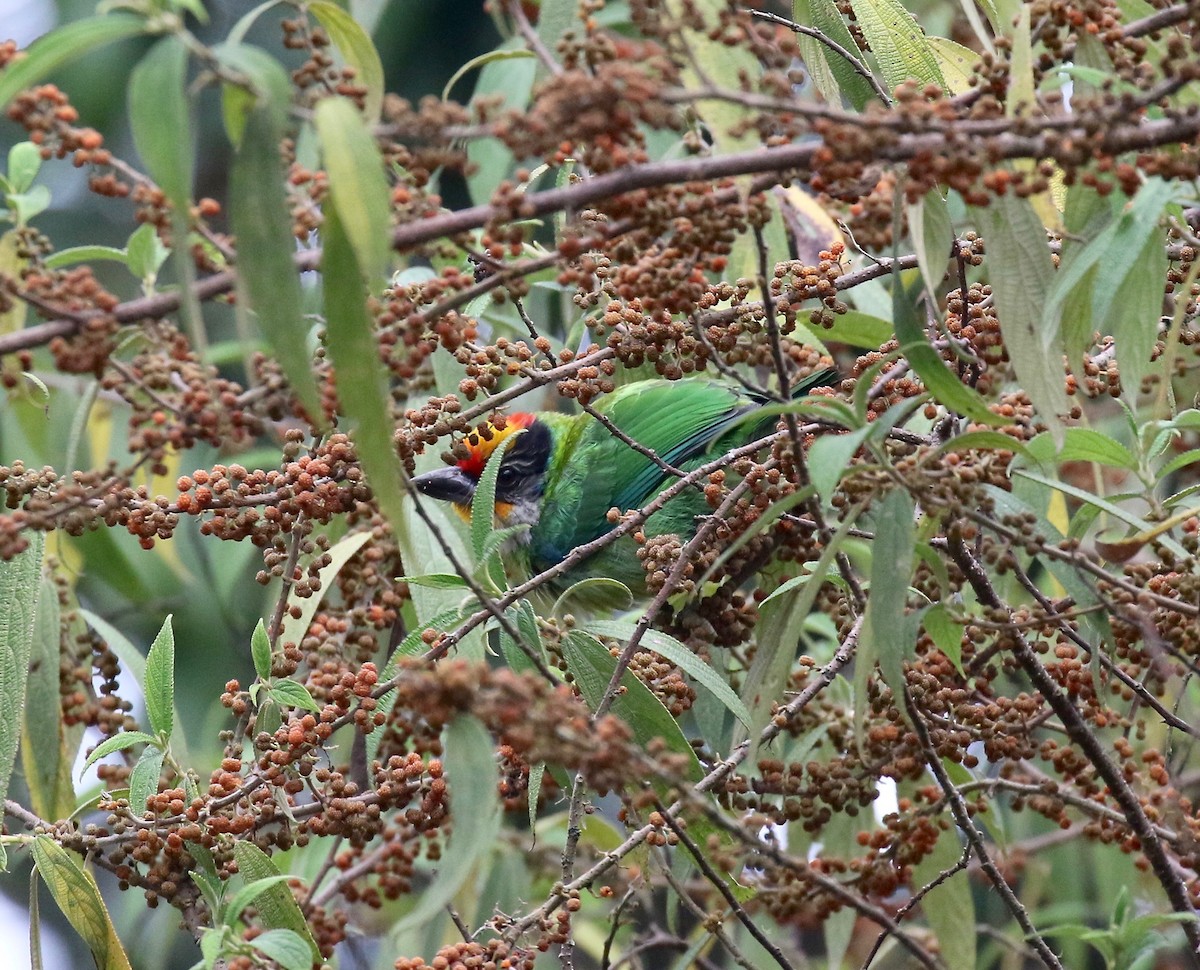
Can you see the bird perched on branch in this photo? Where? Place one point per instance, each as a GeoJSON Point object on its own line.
{"type": "Point", "coordinates": [562, 473]}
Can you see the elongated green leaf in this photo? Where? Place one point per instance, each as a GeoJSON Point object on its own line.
{"type": "Point", "coordinates": [361, 382]}
{"type": "Point", "coordinates": [294, 628]}
{"type": "Point", "coordinates": [285, 947]}
{"type": "Point", "coordinates": [1104, 505]}
{"type": "Point", "coordinates": [47, 745]}
{"type": "Point", "coordinates": [1136, 308]}
{"type": "Point", "coordinates": [1083, 444]}
{"type": "Point", "coordinates": [833, 75]}
{"type": "Point", "coordinates": [24, 163]}
{"type": "Point", "coordinates": [436, 581]}
{"type": "Point", "coordinates": [143, 780]}
{"type": "Point", "coordinates": [85, 254]}
{"type": "Point", "coordinates": [288, 693]}
{"type": "Point", "coordinates": [592, 665]}
{"type": "Point", "coordinates": [898, 42]}
{"type": "Point", "coordinates": [62, 46]}
{"type": "Point", "coordinates": [267, 278]}
{"type": "Point", "coordinates": [829, 457]}
{"type": "Point", "coordinates": [888, 635]}
{"type": "Point", "coordinates": [277, 907]}
{"type": "Point", "coordinates": [260, 651]}
{"type": "Point", "coordinates": [949, 907]}
{"type": "Point", "coordinates": [667, 646]}
{"type": "Point", "coordinates": [860, 329]}
{"type": "Point", "coordinates": [232, 910]}
{"type": "Point", "coordinates": [1021, 273]}
{"type": "Point", "coordinates": [931, 231]}
{"type": "Point", "coordinates": [945, 633]}
{"type": "Point", "coordinates": [482, 61]}
{"type": "Point", "coordinates": [118, 742]}
{"type": "Point", "coordinates": [160, 119]}
{"type": "Point", "coordinates": [355, 46]}
{"type": "Point", "coordinates": [475, 804]}
{"type": "Point", "coordinates": [265, 85]}
{"type": "Point", "coordinates": [356, 185]}
{"type": "Point", "coordinates": [525, 620]}
{"type": "Point", "coordinates": [160, 681]}
{"type": "Point", "coordinates": [76, 893]}
{"type": "Point", "coordinates": [555, 18]}
{"type": "Point", "coordinates": [20, 578]}
{"type": "Point", "coordinates": [956, 63]}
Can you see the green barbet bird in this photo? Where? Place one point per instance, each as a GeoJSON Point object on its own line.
{"type": "Point", "coordinates": [564, 473]}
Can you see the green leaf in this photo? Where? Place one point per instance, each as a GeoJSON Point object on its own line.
{"type": "Point", "coordinates": [63, 45]}
{"type": "Point", "coordinates": [830, 456]}
{"type": "Point", "coordinates": [957, 63]}
{"type": "Point", "coordinates": [888, 635]}
{"type": "Point", "coordinates": [594, 594]}
{"type": "Point", "coordinates": [24, 162]}
{"type": "Point", "coordinates": [277, 907]}
{"type": "Point", "coordinates": [266, 85]}
{"type": "Point", "coordinates": [860, 330]}
{"type": "Point", "coordinates": [247, 894]}
{"type": "Point", "coordinates": [983, 441]}
{"type": "Point", "coordinates": [521, 615]}
{"type": "Point", "coordinates": [932, 233]}
{"type": "Point", "coordinates": [833, 75]}
{"type": "Point", "coordinates": [1104, 505]}
{"type": "Point", "coordinates": [483, 60]}
{"type": "Point", "coordinates": [260, 651]}
{"type": "Point", "coordinates": [356, 185]}
{"type": "Point", "coordinates": [361, 381]}
{"type": "Point", "coordinates": [145, 253]}
{"type": "Point", "coordinates": [85, 254]}
{"type": "Point", "coordinates": [48, 746]}
{"type": "Point", "coordinates": [119, 742]}
{"type": "Point", "coordinates": [1136, 309]}
{"type": "Point", "coordinates": [76, 893]}
{"type": "Point", "coordinates": [285, 947]}
{"type": "Point", "coordinates": [555, 18]}
{"type": "Point", "coordinates": [592, 665]}
{"type": "Point", "coordinates": [1021, 272]}
{"type": "Point", "coordinates": [667, 646]}
{"type": "Point", "coordinates": [296, 627]}
{"type": "Point", "coordinates": [160, 119]}
{"type": "Point", "coordinates": [898, 42]}
{"type": "Point", "coordinates": [949, 907]}
{"type": "Point", "coordinates": [945, 633]}
{"type": "Point", "coordinates": [435, 581]}
{"type": "Point", "coordinates": [1082, 444]}
{"type": "Point", "coordinates": [289, 693]}
{"type": "Point", "coordinates": [143, 780]}
{"type": "Point", "coordinates": [470, 764]}
{"type": "Point", "coordinates": [267, 278]}
{"type": "Point", "coordinates": [354, 44]}
{"type": "Point", "coordinates": [160, 681]}
{"type": "Point", "coordinates": [20, 579]}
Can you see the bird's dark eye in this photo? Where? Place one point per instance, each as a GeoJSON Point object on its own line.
{"type": "Point", "coordinates": [508, 475]}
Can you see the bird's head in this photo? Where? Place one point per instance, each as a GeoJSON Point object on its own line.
{"type": "Point", "coordinates": [521, 477]}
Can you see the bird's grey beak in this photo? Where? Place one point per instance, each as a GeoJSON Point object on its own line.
{"type": "Point", "coordinates": [447, 485]}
